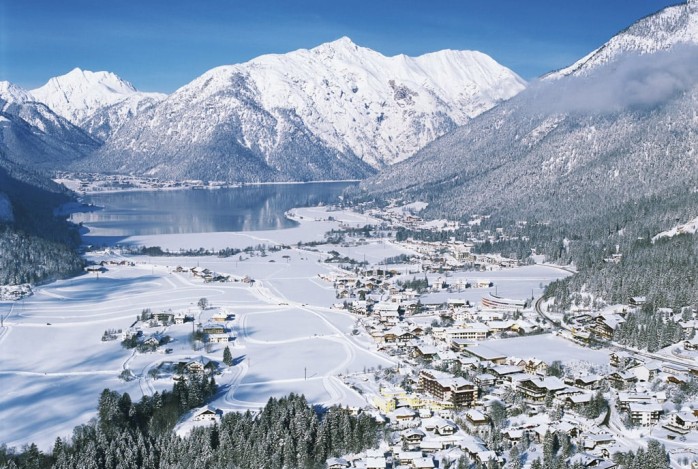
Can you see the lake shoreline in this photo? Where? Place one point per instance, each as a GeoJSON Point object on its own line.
{"type": "Point", "coordinates": [239, 209]}
{"type": "Point", "coordinates": [75, 184]}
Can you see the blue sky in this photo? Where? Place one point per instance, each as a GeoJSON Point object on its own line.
{"type": "Point", "coordinates": [160, 45]}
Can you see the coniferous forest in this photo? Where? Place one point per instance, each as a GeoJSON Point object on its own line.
{"type": "Point", "coordinates": [664, 270]}
{"type": "Point", "coordinates": [286, 433]}
{"type": "Point", "coordinates": [35, 244]}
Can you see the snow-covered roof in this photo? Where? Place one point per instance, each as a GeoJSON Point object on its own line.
{"type": "Point", "coordinates": [643, 407]}
{"type": "Point", "coordinates": [423, 463]}
{"type": "Point", "coordinates": [409, 455]}
{"type": "Point", "coordinates": [581, 398]}
{"type": "Point", "coordinates": [553, 383]}
{"type": "Point", "coordinates": [502, 370]}
{"type": "Point", "coordinates": [413, 432]}
{"type": "Point", "coordinates": [475, 415]}
{"type": "Point", "coordinates": [374, 463]}
{"type": "Point", "coordinates": [427, 349]}
{"type": "Point", "coordinates": [403, 412]}
{"type": "Point", "coordinates": [337, 462]}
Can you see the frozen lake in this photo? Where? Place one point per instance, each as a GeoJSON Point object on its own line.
{"type": "Point", "coordinates": [247, 208]}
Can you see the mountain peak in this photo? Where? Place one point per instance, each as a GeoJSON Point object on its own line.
{"type": "Point", "coordinates": [84, 79]}
{"type": "Point", "coordinates": [663, 30]}
{"type": "Point", "coordinates": [343, 41]}
{"type": "Point", "coordinates": [76, 71]}
{"type": "Point", "coordinates": [11, 93]}
{"type": "Point", "coordinates": [79, 94]}
{"type": "Point", "coordinates": [341, 45]}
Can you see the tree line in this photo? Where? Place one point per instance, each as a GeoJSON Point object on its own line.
{"type": "Point", "coordinates": [286, 432]}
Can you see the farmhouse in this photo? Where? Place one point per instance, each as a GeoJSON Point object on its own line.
{"type": "Point", "coordinates": [413, 437]}
{"type": "Point", "coordinates": [606, 324]}
{"type": "Point", "coordinates": [588, 382]}
{"type": "Point", "coordinates": [682, 422]}
{"type": "Point", "coordinates": [426, 352]}
{"type": "Point", "coordinates": [404, 416]}
{"type": "Point", "coordinates": [475, 418]}
{"type": "Point", "coordinates": [219, 338]}
{"type": "Point", "coordinates": [213, 328]}
{"type": "Point", "coordinates": [647, 371]}
{"type": "Point", "coordinates": [200, 364]}
{"type": "Point", "coordinates": [208, 414]}
{"type": "Point", "coordinates": [164, 317]}
{"type": "Point", "coordinates": [621, 359]}
{"type": "Point", "coordinates": [620, 380]}
{"type": "Point", "coordinates": [440, 426]}
{"type": "Point", "coordinates": [220, 316]}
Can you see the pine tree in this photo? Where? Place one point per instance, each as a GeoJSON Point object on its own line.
{"type": "Point", "coordinates": [656, 456]}
{"type": "Point", "coordinates": [227, 356]}
{"type": "Point", "coordinates": [652, 339]}
{"type": "Point", "coordinates": [514, 458]}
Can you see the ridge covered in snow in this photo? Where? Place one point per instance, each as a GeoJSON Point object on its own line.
{"type": "Point", "coordinates": [11, 93]}
{"type": "Point", "coordinates": [340, 106]}
{"type": "Point", "coordinates": [93, 100]}
{"type": "Point", "coordinates": [660, 31]}
{"type": "Point", "coordinates": [33, 136]}
{"type": "Point", "coordinates": [609, 131]}
{"type": "Point", "coordinates": [382, 109]}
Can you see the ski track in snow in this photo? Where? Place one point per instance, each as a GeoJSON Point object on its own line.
{"type": "Point", "coordinates": [336, 390]}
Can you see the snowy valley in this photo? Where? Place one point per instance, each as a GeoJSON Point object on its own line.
{"type": "Point", "coordinates": [484, 272]}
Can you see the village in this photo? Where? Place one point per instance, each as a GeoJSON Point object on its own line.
{"type": "Point", "coordinates": [478, 376]}
{"type": "Point", "coordinates": [93, 183]}
{"type": "Point", "coordinates": [456, 387]}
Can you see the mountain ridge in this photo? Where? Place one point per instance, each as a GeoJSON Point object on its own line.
{"type": "Point", "coordinates": [669, 27]}
{"type": "Point", "coordinates": [98, 102]}
{"type": "Point", "coordinates": [338, 105]}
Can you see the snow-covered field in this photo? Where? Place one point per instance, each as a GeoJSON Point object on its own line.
{"type": "Point", "coordinates": [546, 347]}
{"type": "Point", "coordinates": [520, 283]}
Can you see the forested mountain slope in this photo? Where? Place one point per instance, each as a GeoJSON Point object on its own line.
{"type": "Point", "coordinates": [35, 245]}
{"type": "Point", "coordinates": [595, 160]}
{"type": "Point", "coordinates": [561, 148]}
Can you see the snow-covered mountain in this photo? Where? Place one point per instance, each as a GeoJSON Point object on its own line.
{"type": "Point", "coordinates": [32, 135]}
{"type": "Point", "coordinates": [660, 31]}
{"type": "Point", "coordinates": [381, 109]}
{"type": "Point", "coordinates": [335, 111]}
{"type": "Point", "coordinates": [98, 102]}
{"type": "Point", "coordinates": [11, 93]}
{"type": "Point", "coordinates": [609, 133]}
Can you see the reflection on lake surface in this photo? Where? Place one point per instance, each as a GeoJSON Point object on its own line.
{"type": "Point", "coordinates": [247, 208]}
